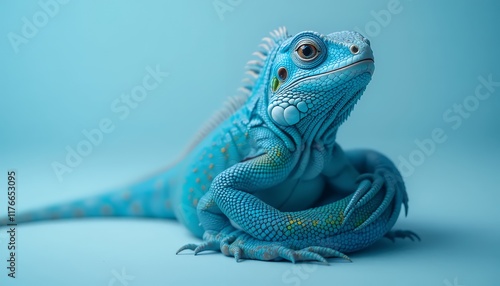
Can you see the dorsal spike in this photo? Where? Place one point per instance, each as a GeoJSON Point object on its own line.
{"type": "Point", "coordinates": [232, 104]}
{"type": "Point", "coordinates": [245, 90]}
{"type": "Point", "coordinates": [283, 31]}
{"type": "Point", "coordinates": [279, 34]}
{"type": "Point", "coordinates": [248, 81]}
{"type": "Point", "coordinates": [236, 102]}
{"type": "Point", "coordinates": [252, 74]}
{"type": "Point", "coordinates": [259, 55]}
{"type": "Point", "coordinates": [255, 63]}
{"type": "Point", "coordinates": [268, 40]}
{"type": "Point", "coordinates": [256, 70]}
{"type": "Point", "coordinates": [254, 67]}
{"type": "Point", "coordinates": [266, 48]}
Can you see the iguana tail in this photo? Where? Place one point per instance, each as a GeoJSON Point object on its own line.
{"type": "Point", "coordinates": [148, 198]}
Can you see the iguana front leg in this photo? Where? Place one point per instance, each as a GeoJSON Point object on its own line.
{"type": "Point", "coordinates": [229, 198]}
{"type": "Point", "coordinates": [259, 173]}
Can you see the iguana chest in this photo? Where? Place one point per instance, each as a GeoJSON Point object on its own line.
{"type": "Point", "coordinates": [304, 185]}
{"type": "Point", "coordinates": [233, 143]}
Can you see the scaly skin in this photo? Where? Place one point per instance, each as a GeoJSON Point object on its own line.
{"type": "Point", "coordinates": [267, 180]}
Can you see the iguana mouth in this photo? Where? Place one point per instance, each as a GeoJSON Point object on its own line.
{"type": "Point", "coordinates": [368, 63]}
{"type": "Point", "coordinates": [369, 67]}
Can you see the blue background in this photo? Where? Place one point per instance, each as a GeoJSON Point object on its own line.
{"type": "Point", "coordinates": [429, 56]}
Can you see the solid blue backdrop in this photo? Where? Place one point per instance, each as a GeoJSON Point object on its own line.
{"type": "Point", "coordinates": [69, 67]}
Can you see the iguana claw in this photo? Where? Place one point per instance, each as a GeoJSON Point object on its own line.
{"type": "Point", "coordinates": [246, 247]}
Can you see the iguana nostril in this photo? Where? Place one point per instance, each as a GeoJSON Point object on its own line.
{"type": "Point", "coordinates": [354, 49]}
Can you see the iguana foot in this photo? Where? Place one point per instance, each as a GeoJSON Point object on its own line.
{"type": "Point", "coordinates": [247, 247]}
{"type": "Point", "coordinates": [213, 240]}
{"type": "Point", "coordinates": [369, 186]}
{"type": "Point", "coordinates": [241, 245]}
{"type": "Point", "coordinates": [392, 235]}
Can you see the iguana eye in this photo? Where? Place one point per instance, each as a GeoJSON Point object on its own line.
{"type": "Point", "coordinates": [307, 52]}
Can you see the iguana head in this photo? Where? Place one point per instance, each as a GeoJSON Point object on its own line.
{"type": "Point", "coordinates": [312, 81]}
{"type": "Point", "coordinates": [316, 79]}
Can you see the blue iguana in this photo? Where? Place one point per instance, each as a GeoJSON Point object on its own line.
{"type": "Point", "coordinates": [265, 179]}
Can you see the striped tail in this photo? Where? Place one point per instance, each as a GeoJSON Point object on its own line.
{"type": "Point", "coordinates": [148, 198]}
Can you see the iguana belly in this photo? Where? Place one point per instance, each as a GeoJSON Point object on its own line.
{"type": "Point", "coordinates": [293, 195]}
